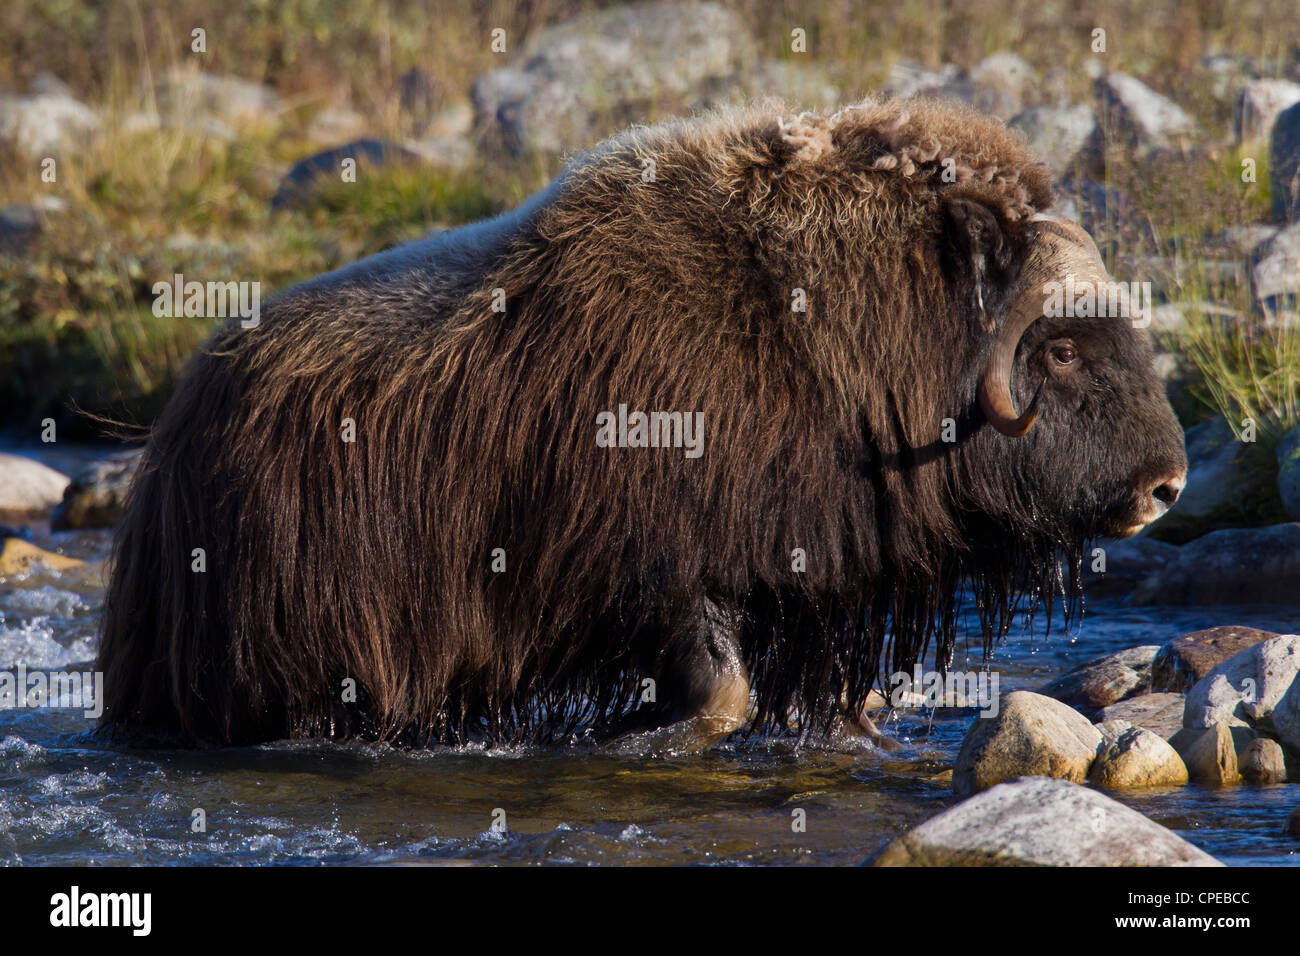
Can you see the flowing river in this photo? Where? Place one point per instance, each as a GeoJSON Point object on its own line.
{"type": "Point", "coordinates": [67, 798]}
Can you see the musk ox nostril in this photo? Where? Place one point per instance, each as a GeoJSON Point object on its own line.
{"type": "Point", "coordinates": [1167, 492]}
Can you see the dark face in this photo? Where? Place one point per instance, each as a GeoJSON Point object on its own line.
{"type": "Point", "coordinates": [1106, 450]}
{"type": "Point", "coordinates": [1077, 439]}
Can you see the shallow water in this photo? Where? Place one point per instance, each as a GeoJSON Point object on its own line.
{"type": "Point", "coordinates": [65, 798]}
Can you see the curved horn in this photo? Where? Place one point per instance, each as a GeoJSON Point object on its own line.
{"type": "Point", "coordinates": [1053, 238]}
{"type": "Point", "coordinates": [995, 383]}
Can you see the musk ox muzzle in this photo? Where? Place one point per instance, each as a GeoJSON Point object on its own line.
{"type": "Point", "coordinates": [413, 530]}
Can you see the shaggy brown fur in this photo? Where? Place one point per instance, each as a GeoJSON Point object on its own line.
{"type": "Point", "coordinates": [475, 430]}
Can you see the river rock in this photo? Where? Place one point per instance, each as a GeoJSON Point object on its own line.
{"type": "Point", "coordinates": [333, 124]}
{"type": "Point", "coordinates": [419, 95]}
{"type": "Point", "coordinates": [1213, 471]}
{"type": "Point", "coordinates": [21, 224]}
{"type": "Point", "coordinates": [1241, 241]}
{"type": "Point", "coordinates": [1132, 758]}
{"type": "Point", "coordinates": [1185, 660]}
{"type": "Point", "coordinates": [1033, 821]}
{"type": "Point", "coordinates": [296, 188]}
{"type": "Point", "coordinates": [802, 86]}
{"type": "Point", "coordinates": [1285, 718]}
{"type": "Point", "coordinates": [1292, 826]}
{"type": "Point", "coordinates": [1107, 212]}
{"type": "Point", "coordinates": [1262, 762]}
{"type": "Point", "coordinates": [1059, 134]}
{"type": "Point", "coordinates": [1210, 754]}
{"type": "Point", "coordinates": [1142, 119]}
{"type": "Point", "coordinates": [1232, 566]}
{"type": "Point", "coordinates": [28, 487]}
{"type": "Point", "coordinates": [192, 96]}
{"type": "Point", "coordinates": [1244, 689]}
{"type": "Point", "coordinates": [1259, 105]}
{"type": "Point", "coordinates": [1104, 680]}
{"type": "Point", "coordinates": [1159, 713]}
{"type": "Point", "coordinates": [1284, 164]}
{"type": "Point", "coordinates": [908, 78]}
{"type": "Point", "coordinates": [18, 557]}
{"type": "Point", "coordinates": [47, 121]}
{"type": "Point", "coordinates": [1001, 83]}
{"type": "Point", "coordinates": [576, 81]}
{"type": "Point", "coordinates": [1288, 472]}
{"type": "Point", "coordinates": [1172, 318]}
{"type": "Point", "coordinates": [1275, 274]}
{"type": "Point", "coordinates": [1030, 735]}
{"type": "Point", "coordinates": [1117, 567]}
{"type": "Point", "coordinates": [96, 497]}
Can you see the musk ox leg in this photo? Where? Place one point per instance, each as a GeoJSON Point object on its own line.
{"type": "Point", "coordinates": [701, 690]}
{"type": "Point", "coordinates": [846, 728]}
{"type": "Point", "coordinates": [861, 726]}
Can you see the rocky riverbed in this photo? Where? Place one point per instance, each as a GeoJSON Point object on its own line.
{"type": "Point", "coordinates": [1138, 737]}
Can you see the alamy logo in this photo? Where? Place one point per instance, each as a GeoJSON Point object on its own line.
{"type": "Point", "coordinates": [932, 690]}
{"type": "Point", "coordinates": [1086, 299]}
{"type": "Point", "coordinates": [83, 690]}
{"type": "Point", "coordinates": [651, 430]}
{"type": "Point", "coordinates": [74, 908]}
{"type": "Point", "coordinates": [211, 300]}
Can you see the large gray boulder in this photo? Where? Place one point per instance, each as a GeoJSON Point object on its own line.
{"type": "Point", "coordinates": [46, 122]}
{"type": "Point", "coordinates": [1229, 72]}
{"type": "Point", "coordinates": [1284, 164]}
{"type": "Point", "coordinates": [1244, 689]}
{"type": "Point", "coordinates": [186, 94]}
{"type": "Point", "coordinates": [1232, 566]}
{"type": "Point", "coordinates": [573, 83]}
{"type": "Point", "coordinates": [1214, 471]}
{"type": "Point", "coordinates": [96, 496]}
{"type": "Point", "coordinates": [1060, 135]}
{"type": "Point", "coordinates": [1259, 105]}
{"type": "Point", "coordinates": [1030, 735]}
{"type": "Point", "coordinates": [1275, 275]}
{"type": "Point", "coordinates": [1285, 719]}
{"type": "Point", "coordinates": [1002, 83]}
{"type": "Point", "coordinates": [1141, 119]}
{"type": "Point", "coordinates": [28, 487]}
{"type": "Point", "coordinates": [1038, 822]}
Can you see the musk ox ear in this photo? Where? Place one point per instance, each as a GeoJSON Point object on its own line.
{"type": "Point", "coordinates": [979, 249]}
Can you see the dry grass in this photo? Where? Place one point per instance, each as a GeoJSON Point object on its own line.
{"type": "Point", "coordinates": [75, 323]}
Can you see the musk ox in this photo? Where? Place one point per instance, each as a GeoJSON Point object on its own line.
{"type": "Point", "coordinates": [429, 507]}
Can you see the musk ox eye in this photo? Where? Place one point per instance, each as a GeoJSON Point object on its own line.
{"type": "Point", "coordinates": [1064, 355]}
